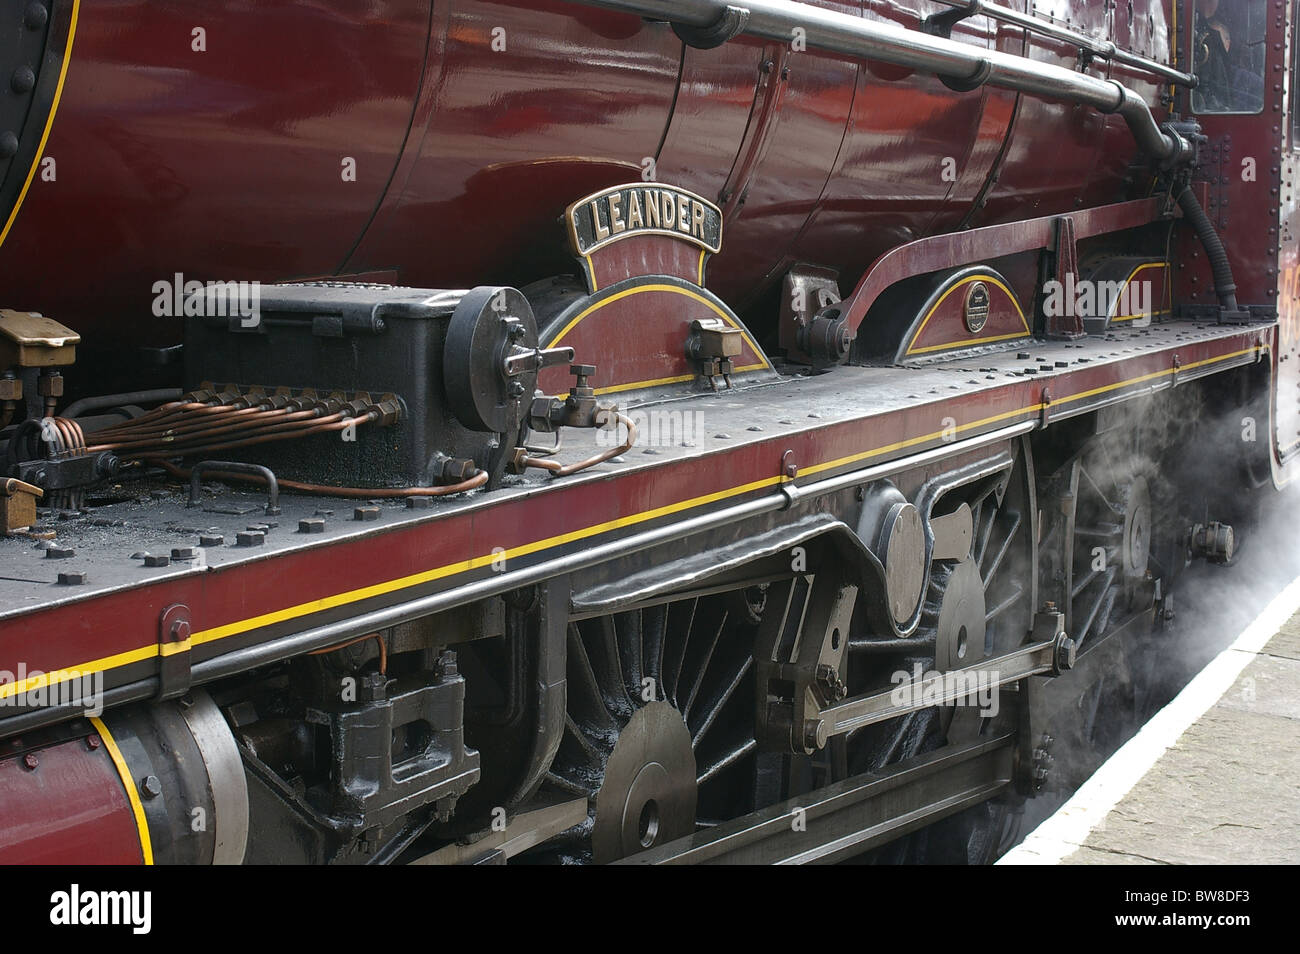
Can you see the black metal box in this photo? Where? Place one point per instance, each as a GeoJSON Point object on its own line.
{"type": "Point", "coordinates": [337, 337]}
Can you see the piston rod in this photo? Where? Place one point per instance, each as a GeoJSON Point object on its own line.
{"type": "Point", "coordinates": [961, 65]}
{"type": "Point", "coordinates": [1048, 657]}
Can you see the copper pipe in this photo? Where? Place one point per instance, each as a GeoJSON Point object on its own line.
{"type": "Point", "coordinates": [175, 433]}
{"type": "Point", "coordinates": [383, 650]}
{"type": "Point", "coordinates": [252, 431]}
{"type": "Point", "coordinates": [478, 480]}
{"type": "Point", "coordinates": [274, 435]}
{"type": "Point", "coordinates": [152, 420]}
{"type": "Point", "coordinates": [65, 432]}
{"type": "Point", "coordinates": [558, 470]}
{"type": "Point", "coordinates": [139, 427]}
{"type": "Point", "coordinates": [381, 493]}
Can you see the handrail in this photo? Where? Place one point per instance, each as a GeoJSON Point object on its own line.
{"type": "Point", "coordinates": [962, 66]}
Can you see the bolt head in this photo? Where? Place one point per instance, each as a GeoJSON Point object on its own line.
{"type": "Point", "coordinates": [815, 734]}
{"type": "Point", "coordinates": [150, 786]}
{"type": "Point", "coordinates": [30, 760]}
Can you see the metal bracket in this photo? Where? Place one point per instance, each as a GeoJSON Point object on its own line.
{"type": "Point", "coordinates": [968, 84]}
{"type": "Point", "coordinates": [174, 674]}
{"type": "Point", "coordinates": [1066, 254]}
{"type": "Point", "coordinates": [941, 24]}
{"type": "Point", "coordinates": [798, 680]}
{"type": "Point", "coordinates": [727, 27]}
{"type": "Point", "coordinates": [789, 471]}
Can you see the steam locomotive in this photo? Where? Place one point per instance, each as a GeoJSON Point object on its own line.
{"type": "Point", "coordinates": [660, 431]}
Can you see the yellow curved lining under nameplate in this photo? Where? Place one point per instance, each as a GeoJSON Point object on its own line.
{"type": "Point", "coordinates": [673, 289]}
{"type": "Point", "coordinates": [912, 349]}
{"type": "Point", "coordinates": [1128, 281]}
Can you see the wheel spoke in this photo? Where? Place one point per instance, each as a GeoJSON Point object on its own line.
{"type": "Point", "coordinates": [1096, 605]}
{"type": "Point", "coordinates": [602, 647]}
{"type": "Point", "coordinates": [1005, 605]}
{"type": "Point", "coordinates": [701, 664]}
{"type": "Point", "coordinates": [627, 631]}
{"type": "Point", "coordinates": [987, 531]}
{"type": "Point", "coordinates": [1083, 471]}
{"type": "Point", "coordinates": [719, 700]}
{"type": "Point", "coordinates": [594, 755]}
{"type": "Point", "coordinates": [729, 757]}
{"type": "Point", "coordinates": [681, 619]}
{"type": "Point", "coordinates": [573, 788]}
{"type": "Point", "coordinates": [653, 619]}
{"type": "Point", "coordinates": [1002, 551]}
{"type": "Point", "coordinates": [585, 695]}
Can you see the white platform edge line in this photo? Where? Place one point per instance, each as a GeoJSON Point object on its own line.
{"type": "Point", "coordinates": [1064, 832]}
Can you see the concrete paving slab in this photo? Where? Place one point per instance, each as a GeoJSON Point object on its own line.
{"type": "Point", "coordinates": [1214, 778]}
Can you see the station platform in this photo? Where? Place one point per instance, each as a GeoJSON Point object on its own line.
{"type": "Point", "coordinates": [1213, 778]}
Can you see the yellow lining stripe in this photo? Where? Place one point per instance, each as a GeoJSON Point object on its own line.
{"type": "Point", "coordinates": [677, 379]}
{"type": "Point", "coordinates": [703, 253]}
{"type": "Point", "coordinates": [63, 675]}
{"type": "Point", "coordinates": [1128, 281]}
{"type": "Point", "coordinates": [171, 649]}
{"type": "Point", "coordinates": [658, 382]}
{"type": "Point", "coordinates": [962, 344]}
{"type": "Point", "coordinates": [452, 569]}
{"type": "Point", "coordinates": [49, 123]}
{"type": "Point", "coordinates": [1154, 314]}
{"type": "Point", "coordinates": [672, 289]}
{"type": "Point", "coordinates": [966, 344]}
{"type": "Point", "coordinates": [137, 808]}
{"type": "Point", "coordinates": [913, 441]}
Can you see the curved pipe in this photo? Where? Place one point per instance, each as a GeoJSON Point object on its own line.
{"type": "Point", "coordinates": [964, 65]}
{"type": "Point", "coordinates": [1224, 284]}
{"type": "Point", "coordinates": [478, 479]}
{"type": "Point", "coordinates": [102, 401]}
{"type": "Point", "coordinates": [564, 470]}
{"type": "Point", "coordinates": [235, 467]}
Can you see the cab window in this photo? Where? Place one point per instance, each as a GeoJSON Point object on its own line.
{"type": "Point", "coordinates": [1228, 51]}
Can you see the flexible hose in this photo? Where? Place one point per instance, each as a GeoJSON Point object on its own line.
{"type": "Point", "coordinates": [1221, 268]}
{"type": "Point", "coordinates": [105, 401]}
